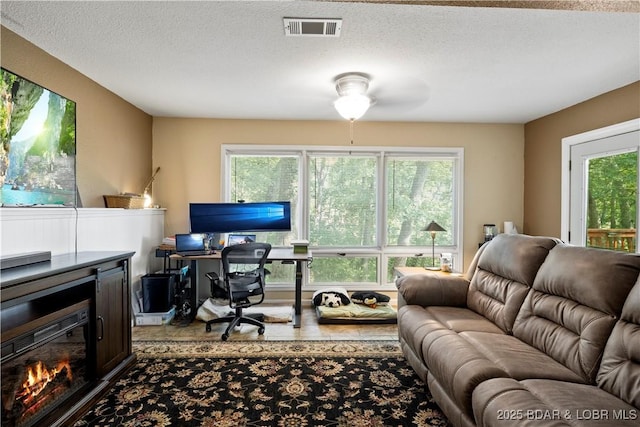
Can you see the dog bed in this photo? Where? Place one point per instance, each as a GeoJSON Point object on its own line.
{"type": "Point", "coordinates": [356, 313]}
{"type": "Point", "coordinates": [333, 305]}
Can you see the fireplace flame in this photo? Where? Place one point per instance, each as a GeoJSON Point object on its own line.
{"type": "Point", "coordinates": [38, 377]}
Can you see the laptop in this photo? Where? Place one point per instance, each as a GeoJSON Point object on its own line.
{"type": "Point", "coordinates": [191, 244]}
{"type": "Point", "coordinates": [236, 239]}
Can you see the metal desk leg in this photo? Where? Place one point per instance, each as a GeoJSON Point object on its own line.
{"type": "Point", "coordinates": [298, 301]}
{"type": "Point", "coordinates": [193, 297]}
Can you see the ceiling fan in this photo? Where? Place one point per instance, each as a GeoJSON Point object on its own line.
{"type": "Point", "coordinates": [355, 98]}
{"type": "Point", "coordinates": [389, 93]}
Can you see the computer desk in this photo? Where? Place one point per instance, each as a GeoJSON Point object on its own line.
{"type": "Point", "coordinates": [285, 255]}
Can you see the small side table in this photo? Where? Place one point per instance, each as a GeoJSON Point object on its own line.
{"type": "Point", "coordinates": [406, 271]}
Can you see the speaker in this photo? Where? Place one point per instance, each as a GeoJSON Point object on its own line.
{"type": "Point", "coordinates": [157, 292]}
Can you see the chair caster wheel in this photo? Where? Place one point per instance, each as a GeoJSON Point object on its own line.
{"type": "Point", "coordinates": [208, 328]}
{"type": "Point", "coordinates": [225, 337]}
{"type": "Point", "coordinates": [260, 331]}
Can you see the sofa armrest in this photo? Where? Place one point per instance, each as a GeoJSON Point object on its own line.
{"type": "Point", "coordinates": [432, 289]}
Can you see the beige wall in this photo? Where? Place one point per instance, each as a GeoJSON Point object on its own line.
{"type": "Point", "coordinates": [542, 202]}
{"type": "Point", "coordinates": [113, 137]}
{"type": "Point", "coordinates": [189, 150]}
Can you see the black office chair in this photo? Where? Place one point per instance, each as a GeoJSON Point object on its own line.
{"type": "Point", "coordinates": [244, 278]}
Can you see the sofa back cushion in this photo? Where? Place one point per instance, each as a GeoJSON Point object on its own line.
{"type": "Point", "coordinates": [575, 301]}
{"type": "Point", "coordinates": [620, 368]}
{"type": "Point", "coordinates": [503, 275]}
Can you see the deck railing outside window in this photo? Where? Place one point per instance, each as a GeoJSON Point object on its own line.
{"type": "Point", "coordinates": [619, 239]}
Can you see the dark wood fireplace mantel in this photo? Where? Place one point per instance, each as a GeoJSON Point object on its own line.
{"type": "Point", "coordinates": [32, 294]}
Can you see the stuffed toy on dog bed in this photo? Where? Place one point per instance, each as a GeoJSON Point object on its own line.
{"type": "Point", "coordinates": [359, 313]}
{"type": "Point", "coordinates": [370, 298]}
{"type": "Point", "coordinates": [331, 297]}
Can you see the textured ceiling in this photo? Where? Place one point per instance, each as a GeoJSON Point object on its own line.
{"type": "Point", "coordinates": [231, 59]}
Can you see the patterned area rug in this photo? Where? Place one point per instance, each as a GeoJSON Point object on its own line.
{"type": "Point", "coordinates": [269, 383]}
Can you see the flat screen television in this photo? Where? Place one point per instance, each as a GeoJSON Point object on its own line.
{"type": "Point", "coordinates": [230, 217]}
{"type": "Point", "coordinates": [38, 144]}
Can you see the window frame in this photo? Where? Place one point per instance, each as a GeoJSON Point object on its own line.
{"type": "Point", "coordinates": [382, 251]}
{"type": "Point", "coordinates": [598, 137]}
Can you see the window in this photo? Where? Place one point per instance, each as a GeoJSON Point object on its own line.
{"type": "Point", "coordinates": [263, 179]}
{"type": "Point", "coordinates": [361, 208]}
{"type": "Point", "coordinates": [342, 201]}
{"type": "Point", "coordinates": [600, 187]}
{"type": "Point", "coordinates": [612, 189]}
{"type": "Point", "coordinates": [417, 188]}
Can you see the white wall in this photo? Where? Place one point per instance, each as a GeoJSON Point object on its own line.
{"type": "Point", "coordinates": [63, 230]}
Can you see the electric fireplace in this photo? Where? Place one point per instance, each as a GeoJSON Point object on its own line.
{"type": "Point", "coordinates": [45, 361]}
{"type": "Point", "coordinates": [65, 326]}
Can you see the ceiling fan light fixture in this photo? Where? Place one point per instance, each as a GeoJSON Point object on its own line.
{"type": "Point", "coordinates": [352, 107]}
{"type": "Point", "coordinates": [352, 102]}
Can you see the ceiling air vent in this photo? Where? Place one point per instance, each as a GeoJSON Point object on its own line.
{"type": "Point", "coordinates": [312, 27]}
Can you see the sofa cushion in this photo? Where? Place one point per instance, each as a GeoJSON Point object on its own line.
{"type": "Point", "coordinates": [452, 411]}
{"type": "Point", "coordinates": [418, 322]}
{"type": "Point", "coordinates": [504, 274]}
{"type": "Point", "coordinates": [459, 362]}
{"type": "Point", "coordinates": [507, 402]}
{"type": "Point", "coordinates": [620, 368]}
{"type": "Point", "coordinates": [462, 319]}
{"type": "Point", "coordinates": [573, 305]}
{"type": "Point", "coordinates": [416, 362]}
{"type": "Point", "coordinates": [597, 278]}
{"type": "Point", "coordinates": [457, 366]}
{"type": "Point", "coordinates": [519, 360]}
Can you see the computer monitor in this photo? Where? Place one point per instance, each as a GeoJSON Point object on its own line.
{"type": "Point", "coordinates": [237, 239]}
{"type": "Point", "coordinates": [192, 244]}
{"type": "Point", "coordinates": [238, 217]}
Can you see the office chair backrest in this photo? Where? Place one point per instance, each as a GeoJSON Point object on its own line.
{"type": "Point", "coordinates": [245, 258]}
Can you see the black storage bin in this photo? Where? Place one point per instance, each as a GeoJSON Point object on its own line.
{"type": "Point", "coordinates": [157, 292]}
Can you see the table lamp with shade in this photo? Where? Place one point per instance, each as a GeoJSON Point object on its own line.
{"type": "Point", "coordinates": [433, 227]}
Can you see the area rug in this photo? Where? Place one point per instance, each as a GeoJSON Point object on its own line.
{"type": "Point", "coordinates": [268, 383]}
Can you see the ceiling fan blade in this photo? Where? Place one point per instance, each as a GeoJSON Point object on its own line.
{"type": "Point", "coordinates": [401, 94]}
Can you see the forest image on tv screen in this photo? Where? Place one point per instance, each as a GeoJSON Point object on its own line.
{"type": "Point", "coordinates": [38, 147]}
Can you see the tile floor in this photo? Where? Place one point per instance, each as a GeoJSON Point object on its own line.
{"type": "Point", "coordinates": [309, 330]}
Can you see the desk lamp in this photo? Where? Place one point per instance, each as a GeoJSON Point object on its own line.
{"type": "Point", "coordinates": [433, 227]}
{"type": "Point", "coordinates": [146, 194]}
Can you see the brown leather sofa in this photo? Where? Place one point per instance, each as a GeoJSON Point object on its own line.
{"type": "Point", "coordinates": [537, 333]}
